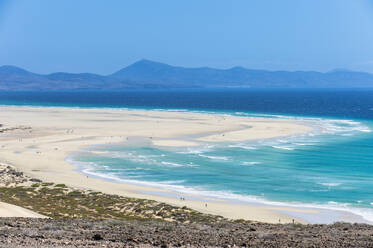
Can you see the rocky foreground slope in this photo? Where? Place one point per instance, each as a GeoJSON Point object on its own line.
{"type": "Point", "coordinates": [16, 232]}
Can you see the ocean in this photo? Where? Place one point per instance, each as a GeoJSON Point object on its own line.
{"type": "Point", "coordinates": [330, 167]}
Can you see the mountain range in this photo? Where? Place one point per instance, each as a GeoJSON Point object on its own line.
{"type": "Point", "coordinates": [150, 74]}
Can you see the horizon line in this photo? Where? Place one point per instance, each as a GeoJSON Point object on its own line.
{"type": "Point", "coordinates": [184, 67]}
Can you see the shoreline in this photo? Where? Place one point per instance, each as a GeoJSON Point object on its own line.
{"type": "Point", "coordinates": [304, 213]}
{"type": "Point", "coordinates": [41, 151]}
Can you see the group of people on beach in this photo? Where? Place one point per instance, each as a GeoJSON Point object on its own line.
{"type": "Point", "coordinates": [183, 199]}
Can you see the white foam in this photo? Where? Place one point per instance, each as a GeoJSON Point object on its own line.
{"type": "Point", "coordinates": [330, 184]}
{"type": "Point", "coordinates": [172, 182]}
{"type": "Point", "coordinates": [137, 158]}
{"type": "Point", "coordinates": [250, 163]}
{"type": "Point", "coordinates": [214, 157]}
{"type": "Point", "coordinates": [333, 126]}
{"type": "Point", "coordinates": [321, 125]}
{"type": "Point", "coordinates": [242, 146]}
{"type": "Point", "coordinates": [89, 169]}
{"type": "Point", "coordinates": [303, 144]}
{"type": "Point", "coordinates": [147, 159]}
{"type": "Point", "coordinates": [365, 213]}
{"type": "Point", "coordinates": [191, 164]}
{"type": "Point", "coordinates": [197, 150]}
{"type": "Point", "coordinates": [283, 148]}
{"type": "Point", "coordinates": [169, 110]}
{"type": "Point", "coordinates": [171, 164]}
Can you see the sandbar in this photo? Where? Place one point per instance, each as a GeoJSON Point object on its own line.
{"type": "Point", "coordinates": [37, 141]}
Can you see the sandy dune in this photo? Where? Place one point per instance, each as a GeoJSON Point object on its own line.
{"type": "Point", "coordinates": [9, 210]}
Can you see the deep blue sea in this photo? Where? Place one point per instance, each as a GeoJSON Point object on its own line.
{"type": "Point", "coordinates": [330, 167]}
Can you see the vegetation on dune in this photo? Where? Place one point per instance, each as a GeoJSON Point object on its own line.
{"type": "Point", "coordinates": [60, 201]}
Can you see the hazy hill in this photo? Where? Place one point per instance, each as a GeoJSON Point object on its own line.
{"type": "Point", "coordinates": [149, 74]}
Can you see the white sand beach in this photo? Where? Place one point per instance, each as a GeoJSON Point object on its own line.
{"type": "Point", "coordinates": [37, 140]}
{"type": "Point", "coordinates": [9, 210]}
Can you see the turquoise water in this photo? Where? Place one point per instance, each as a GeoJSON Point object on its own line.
{"type": "Point", "coordinates": [330, 167]}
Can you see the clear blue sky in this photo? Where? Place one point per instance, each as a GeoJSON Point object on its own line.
{"type": "Point", "coordinates": [103, 36]}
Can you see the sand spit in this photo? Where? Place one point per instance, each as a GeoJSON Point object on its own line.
{"type": "Point", "coordinates": [37, 140]}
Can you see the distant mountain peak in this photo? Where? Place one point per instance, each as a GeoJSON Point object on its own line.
{"type": "Point", "coordinates": [10, 69]}
{"type": "Point", "coordinates": [147, 62]}
{"type": "Point", "coordinates": [143, 66]}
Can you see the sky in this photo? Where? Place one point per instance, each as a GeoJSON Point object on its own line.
{"type": "Point", "coordinates": [99, 36]}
